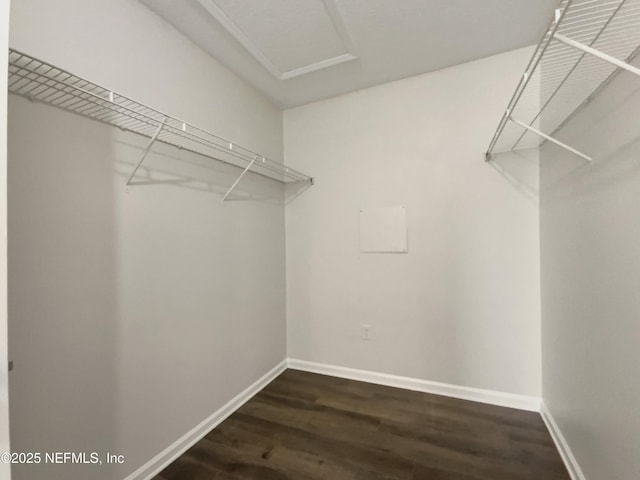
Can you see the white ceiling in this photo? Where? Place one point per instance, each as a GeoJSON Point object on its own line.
{"type": "Point", "coordinates": [299, 51]}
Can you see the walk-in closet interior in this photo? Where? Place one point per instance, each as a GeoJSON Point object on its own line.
{"type": "Point", "coordinates": [320, 239]}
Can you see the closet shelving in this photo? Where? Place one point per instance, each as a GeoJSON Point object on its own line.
{"type": "Point", "coordinates": [586, 45]}
{"type": "Point", "coordinates": [43, 82]}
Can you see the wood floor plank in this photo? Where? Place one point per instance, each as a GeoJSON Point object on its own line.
{"type": "Point", "coordinates": [306, 426]}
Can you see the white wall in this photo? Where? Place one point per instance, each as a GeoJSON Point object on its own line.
{"type": "Point", "coordinates": [463, 306]}
{"type": "Point", "coordinates": [134, 316]}
{"type": "Point", "coordinates": [5, 469]}
{"type": "Point", "coordinates": [590, 281]}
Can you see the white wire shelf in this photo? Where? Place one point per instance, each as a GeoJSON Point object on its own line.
{"type": "Point", "coordinates": [585, 46]}
{"type": "Point", "coordinates": [46, 83]}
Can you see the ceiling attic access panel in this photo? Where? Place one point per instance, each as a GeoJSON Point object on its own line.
{"type": "Point", "coordinates": [289, 38]}
{"type": "Point", "coordinates": [389, 40]}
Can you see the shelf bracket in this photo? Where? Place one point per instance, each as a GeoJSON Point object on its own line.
{"type": "Point", "coordinates": [551, 139]}
{"type": "Point", "coordinates": [238, 180]}
{"type": "Point", "coordinates": [146, 151]}
{"type": "Point", "coordinates": [597, 53]}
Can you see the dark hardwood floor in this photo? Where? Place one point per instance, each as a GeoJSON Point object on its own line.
{"type": "Point", "coordinates": [307, 426]}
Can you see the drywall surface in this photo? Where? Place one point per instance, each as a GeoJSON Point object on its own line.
{"type": "Point", "coordinates": [134, 315]}
{"type": "Point", "coordinates": [590, 283]}
{"type": "Point", "coordinates": [462, 306]}
{"type": "Point", "coordinates": [5, 468]}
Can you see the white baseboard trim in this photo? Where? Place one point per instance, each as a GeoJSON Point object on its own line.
{"type": "Point", "coordinates": [561, 444]}
{"type": "Point", "coordinates": [521, 402]}
{"type": "Point", "coordinates": [173, 451]}
{"type": "Point", "coordinates": [511, 400]}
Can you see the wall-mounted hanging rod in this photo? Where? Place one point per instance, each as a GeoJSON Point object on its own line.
{"type": "Point", "coordinates": [568, 71]}
{"type": "Point", "coordinates": [43, 82]}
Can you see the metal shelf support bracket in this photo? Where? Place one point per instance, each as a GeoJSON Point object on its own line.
{"type": "Point", "coordinates": [551, 139]}
{"type": "Point", "coordinates": [597, 53]}
{"type": "Point", "coordinates": [238, 180]}
{"type": "Point", "coordinates": [146, 151]}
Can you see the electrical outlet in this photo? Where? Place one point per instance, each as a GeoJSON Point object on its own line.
{"type": "Point", "coordinates": [366, 332]}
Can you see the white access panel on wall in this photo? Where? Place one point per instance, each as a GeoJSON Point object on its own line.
{"type": "Point", "coordinates": [383, 230]}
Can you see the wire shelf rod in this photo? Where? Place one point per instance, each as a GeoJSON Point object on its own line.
{"type": "Point", "coordinates": [577, 11]}
{"type": "Point", "coordinates": [93, 109]}
{"type": "Point", "coordinates": [580, 7]}
{"type": "Point", "coordinates": [551, 139]}
{"type": "Point", "coordinates": [573, 68]}
{"type": "Point", "coordinates": [621, 30]}
{"type": "Point", "coordinates": [524, 80]}
{"type": "Point", "coordinates": [588, 17]}
{"type": "Point", "coordinates": [598, 53]}
{"type": "Point", "coordinates": [600, 87]}
{"type": "Point", "coordinates": [40, 81]}
{"type": "Point", "coordinates": [584, 75]}
{"type": "Point", "coordinates": [68, 95]}
{"type": "Point", "coordinates": [580, 24]}
{"type": "Point", "coordinates": [584, 51]}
